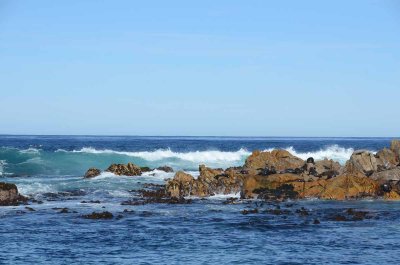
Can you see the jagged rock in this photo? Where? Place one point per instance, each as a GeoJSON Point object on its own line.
{"type": "Point", "coordinates": [209, 182]}
{"type": "Point", "coordinates": [180, 185]}
{"type": "Point", "coordinates": [126, 170]}
{"type": "Point", "coordinates": [362, 162]}
{"type": "Point", "coordinates": [395, 147]}
{"type": "Point", "coordinates": [9, 195]}
{"type": "Point", "coordinates": [386, 159]}
{"type": "Point", "coordinates": [280, 160]}
{"type": "Point", "coordinates": [387, 175]}
{"type": "Point", "coordinates": [327, 167]}
{"type": "Point", "coordinates": [92, 172]}
{"type": "Point", "coordinates": [145, 169]}
{"type": "Point", "coordinates": [166, 169]}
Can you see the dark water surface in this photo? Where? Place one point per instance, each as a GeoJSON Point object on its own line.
{"type": "Point", "coordinates": [50, 169]}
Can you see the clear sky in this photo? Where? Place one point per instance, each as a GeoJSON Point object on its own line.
{"type": "Point", "coordinates": [226, 67]}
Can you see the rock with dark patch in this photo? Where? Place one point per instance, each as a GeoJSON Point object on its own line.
{"type": "Point", "coordinates": [92, 172]}
{"type": "Point", "coordinates": [9, 195]}
{"type": "Point", "coordinates": [125, 170]}
{"type": "Point", "coordinates": [281, 193]}
{"type": "Point", "coordinates": [155, 196]}
{"type": "Point", "coordinates": [145, 169]}
{"type": "Point", "coordinates": [386, 159]}
{"type": "Point", "coordinates": [166, 169]}
{"type": "Point", "coordinates": [97, 216]}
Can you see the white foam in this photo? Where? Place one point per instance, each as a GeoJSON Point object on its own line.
{"type": "Point", "coordinates": [30, 150]}
{"type": "Point", "coordinates": [196, 156]}
{"type": "Point", "coordinates": [334, 152]}
{"type": "Point", "coordinates": [35, 188]}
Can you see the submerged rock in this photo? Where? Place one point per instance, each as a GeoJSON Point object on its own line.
{"type": "Point", "coordinates": [9, 195]}
{"type": "Point", "coordinates": [103, 215]}
{"type": "Point", "coordinates": [92, 172]}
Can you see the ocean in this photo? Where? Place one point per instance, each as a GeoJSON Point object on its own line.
{"type": "Point", "coordinates": [50, 169]}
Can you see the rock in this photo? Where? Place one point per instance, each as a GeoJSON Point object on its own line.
{"type": "Point", "coordinates": [145, 169]}
{"type": "Point", "coordinates": [9, 195]}
{"type": "Point", "coordinates": [209, 182]}
{"type": "Point", "coordinates": [166, 169]}
{"type": "Point", "coordinates": [103, 215]}
{"type": "Point", "coordinates": [349, 187]}
{"type": "Point", "coordinates": [387, 175]}
{"type": "Point", "coordinates": [245, 212]}
{"type": "Point", "coordinates": [395, 147]}
{"type": "Point", "coordinates": [180, 185]}
{"type": "Point", "coordinates": [316, 222]}
{"type": "Point", "coordinates": [386, 159]}
{"type": "Point", "coordinates": [125, 170]}
{"type": "Point", "coordinates": [278, 159]}
{"type": "Point", "coordinates": [92, 172]}
{"type": "Point", "coordinates": [327, 168]}
{"type": "Point", "coordinates": [254, 184]}
{"type": "Point", "coordinates": [281, 193]}
{"type": "Point", "coordinates": [362, 162]}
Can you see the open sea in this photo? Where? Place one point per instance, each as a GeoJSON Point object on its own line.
{"type": "Point", "coordinates": [208, 231]}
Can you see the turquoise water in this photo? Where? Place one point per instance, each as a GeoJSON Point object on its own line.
{"type": "Point", "coordinates": [208, 231]}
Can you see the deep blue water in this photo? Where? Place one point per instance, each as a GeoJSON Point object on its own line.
{"type": "Point", "coordinates": [50, 168]}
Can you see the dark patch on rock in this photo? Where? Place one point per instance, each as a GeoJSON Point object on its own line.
{"type": "Point", "coordinates": [283, 192]}
{"type": "Point", "coordinates": [166, 169]}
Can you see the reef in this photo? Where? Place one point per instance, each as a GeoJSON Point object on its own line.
{"type": "Point", "coordinates": [278, 175]}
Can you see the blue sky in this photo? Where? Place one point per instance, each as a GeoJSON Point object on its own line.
{"type": "Point", "coordinates": [239, 68]}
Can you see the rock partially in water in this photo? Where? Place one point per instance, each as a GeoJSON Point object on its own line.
{"type": "Point", "coordinates": [97, 216]}
{"type": "Point", "coordinates": [166, 169]}
{"type": "Point", "coordinates": [92, 172]}
{"type": "Point", "coordinates": [9, 195]}
{"type": "Point", "coordinates": [251, 211]}
{"type": "Point", "coordinates": [129, 169]}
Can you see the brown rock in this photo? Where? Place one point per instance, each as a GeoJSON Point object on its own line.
{"type": "Point", "coordinates": [9, 195]}
{"type": "Point", "coordinates": [395, 147]}
{"type": "Point", "coordinates": [279, 159]}
{"type": "Point", "coordinates": [126, 170]}
{"type": "Point", "coordinates": [327, 167]}
{"type": "Point", "coordinates": [166, 169]}
{"type": "Point", "coordinates": [349, 187]}
{"type": "Point", "coordinates": [386, 159]}
{"type": "Point", "coordinates": [92, 172]}
{"type": "Point", "coordinates": [387, 175]}
{"type": "Point", "coordinates": [180, 185]}
{"type": "Point", "coordinates": [362, 162]}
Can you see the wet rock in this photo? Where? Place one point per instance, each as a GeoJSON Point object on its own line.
{"type": "Point", "coordinates": [97, 201]}
{"type": "Point", "coordinates": [281, 193]}
{"type": "Point", "coordinates": [64, 210]}
{"type": "Point", "coordinates": [231, 200]}
{"type": "Point", "coordinates": [9, 195]}
{"type": "Point", "coordinates": [92, 172]}
{"type": "Point", "coordinates": [30, 209]}
{"type": "Point", "coordinates": [156, 196]}
{"type": "Point", "coordinates": [125, 170]}
{"type": "Point", "coordinates": [302, 211]}
{"type": "Point", "coordinates": [145, 169]}
{"type": "Point", "coordinates": [97, 216]}
{"type": "Point", "coordinates": [251, 211]}
{"type": "Point", "coordinates": [316, 222]}
{"type": "Point", "coordinates": [166, 169]}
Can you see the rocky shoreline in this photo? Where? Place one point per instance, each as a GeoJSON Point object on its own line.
{"type": "Point", "coordinates": [272, 176]}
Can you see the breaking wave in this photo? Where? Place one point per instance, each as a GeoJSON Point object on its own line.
{"type": "Point", "coordinates": [62, 162]}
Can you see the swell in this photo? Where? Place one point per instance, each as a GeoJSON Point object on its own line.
{"type": "Point", "coordinates": [33, 161]}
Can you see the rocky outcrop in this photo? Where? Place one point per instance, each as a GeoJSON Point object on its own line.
{"type": "Point", "coordinates": [125, 170]}
{"type": "Point", "coordinates": [166, 169]}
{"type": "Point", "coordinates": [92, 172]}
{"type": "Point", "coordinates": [9, 195]}
{"type": "Point", "coordinates": [395, 147]}
{"type": "Point", "coordinates": [362, 162]}
{"type": "Point", "coordinates": [278, 160]}
{"type": "Point", "coordinates": [209, 182]}
{"type": "Point", "coordinates": [97, 216]}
